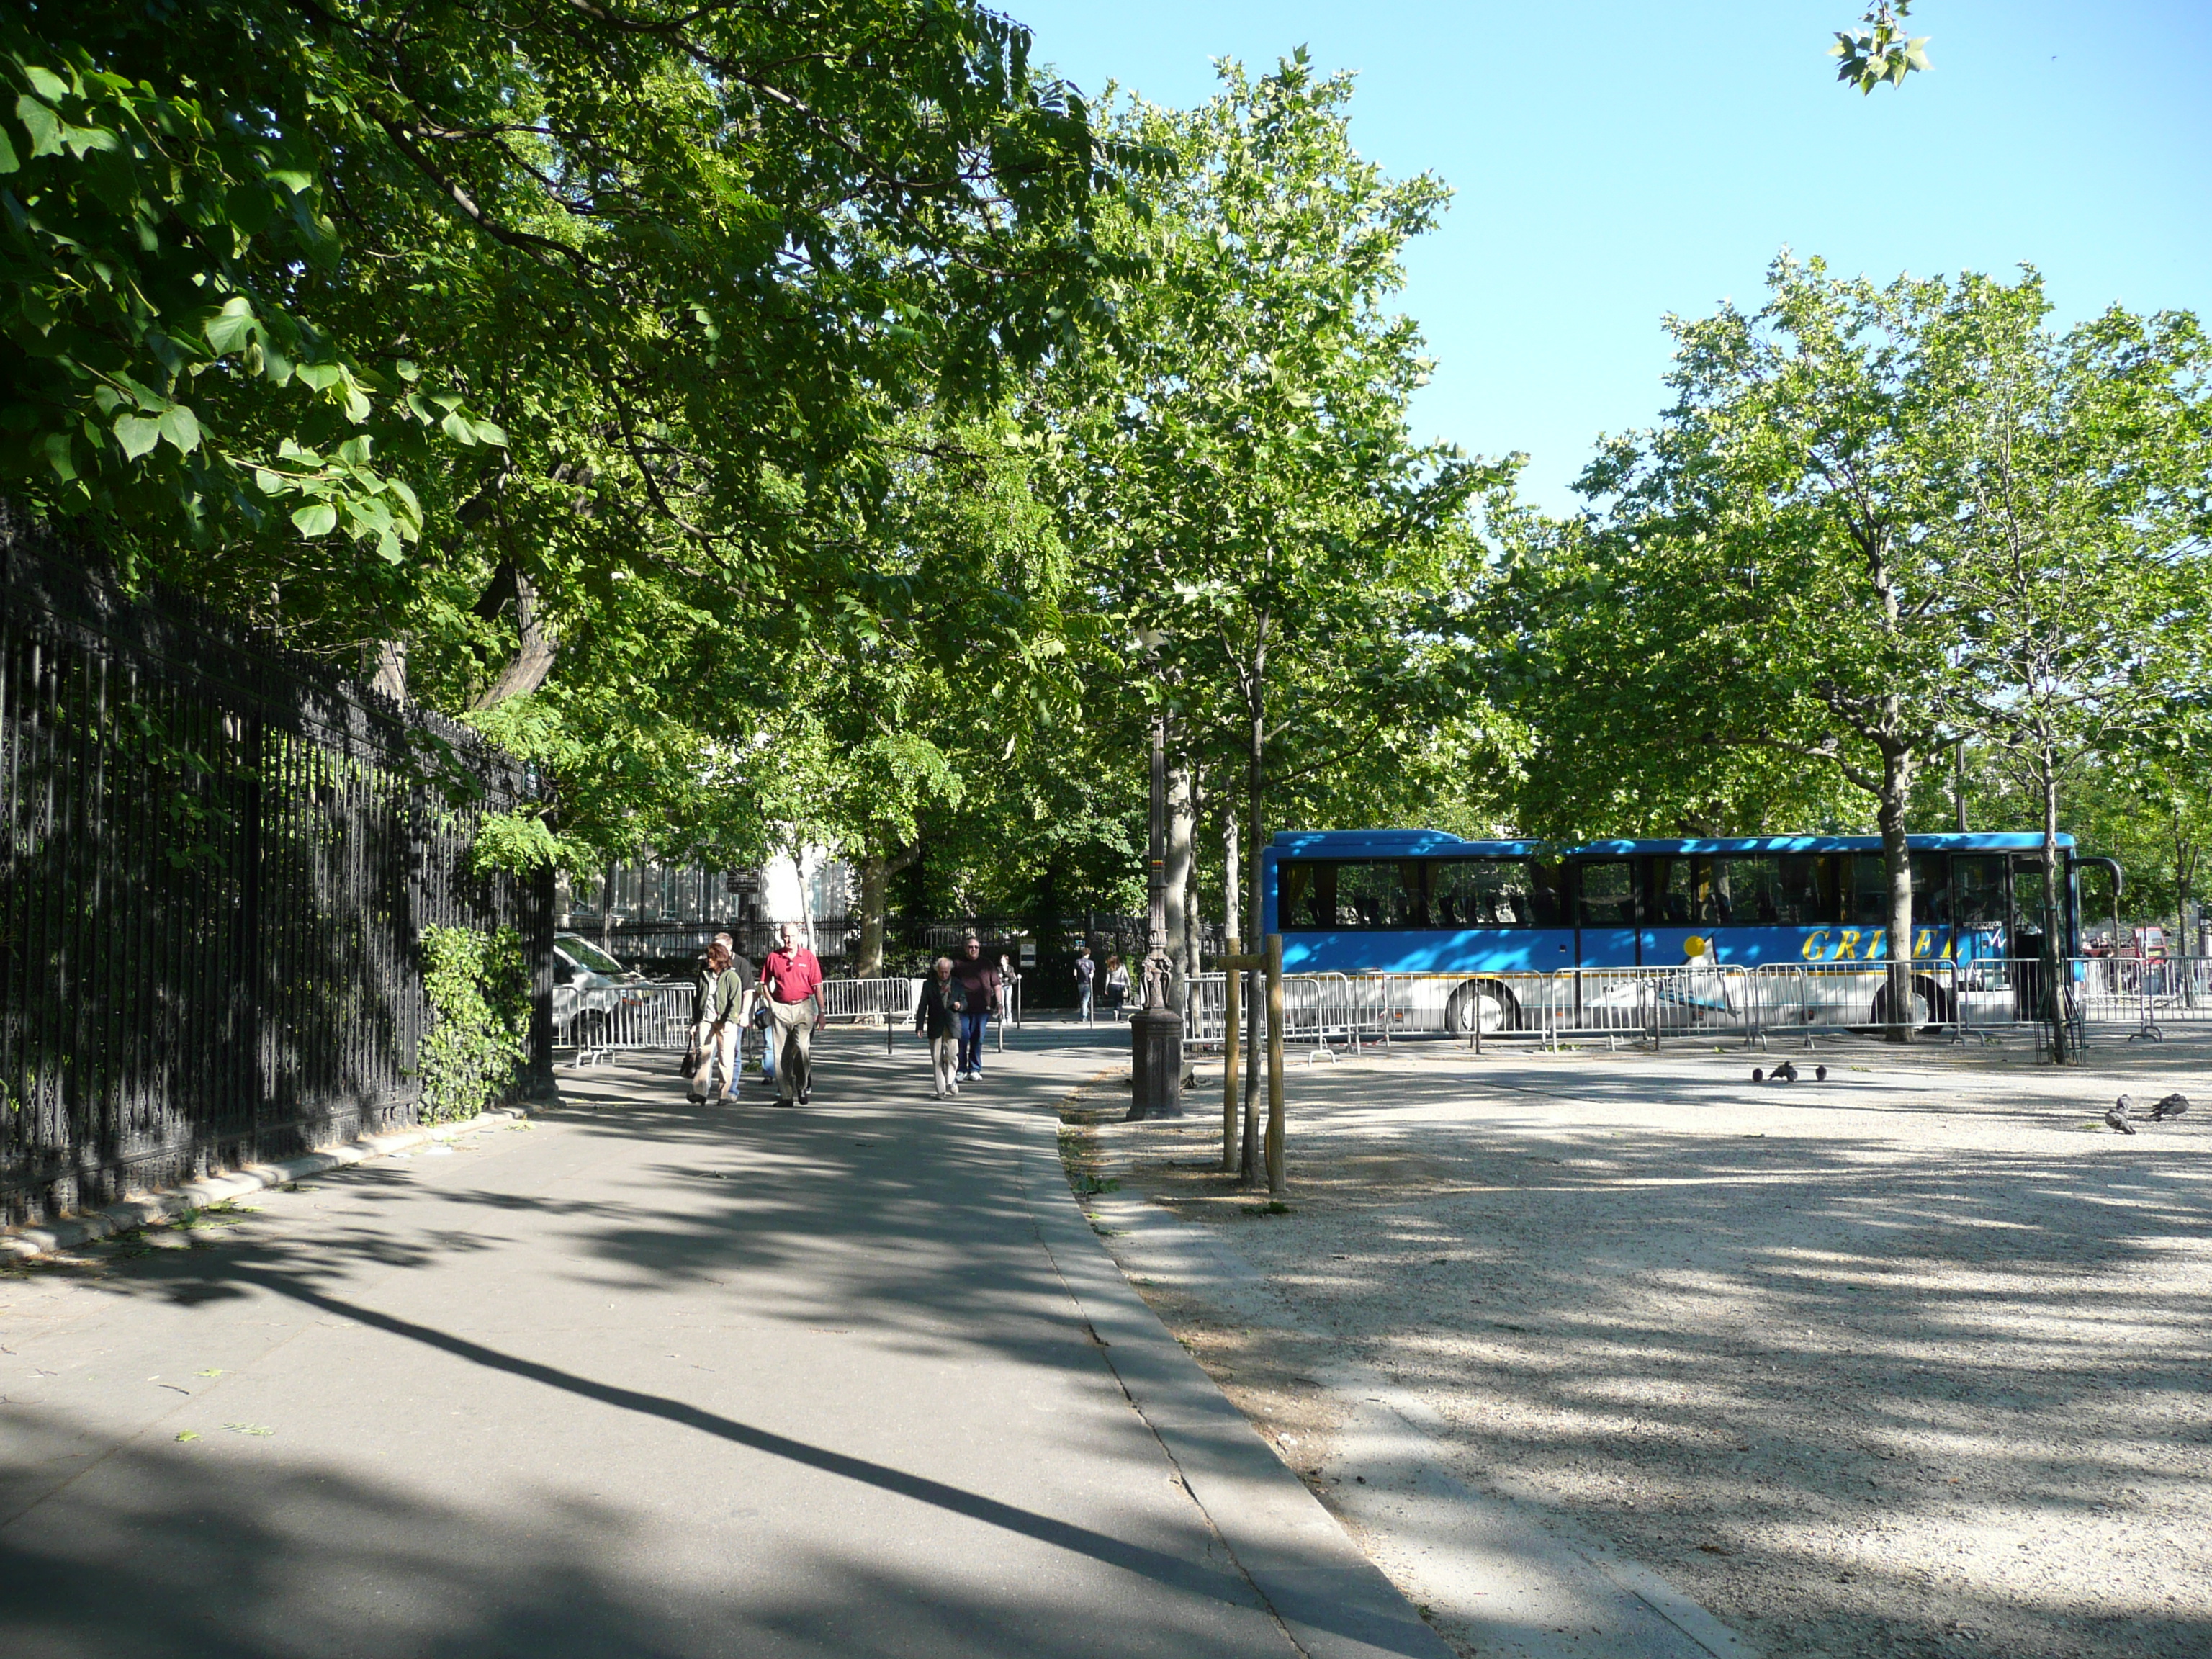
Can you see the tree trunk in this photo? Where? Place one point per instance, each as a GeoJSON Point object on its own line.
{"type": "Point", "coordinates": [1897, 862]}
{"type": "Point", "coordinates": [391, 675]}
{"type": "Point", "coordinates": [876, 870]}
{"type": "Point", "coordinates": [607, 910]}
{"type": "Point", "coordinates": [1229, 896]}
{"type": "Point", "coordinates": [1256, 1011]}
{"type": "Point", "coordinates": [875, 883]}
{"type": "Point", "coordinates": [1958, 784]}
{"type": "Point", "coordinates": [534, 654]}
{"type": "Point", "coordinates": [1177, 882]}
{"type": "Point", "coordinates": [2053, 917]}
{"type": "Point", "coordinates": [1193, 923]}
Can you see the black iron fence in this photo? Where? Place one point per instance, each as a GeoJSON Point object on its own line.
{"type": "Point", "coordinates": [219, 860]}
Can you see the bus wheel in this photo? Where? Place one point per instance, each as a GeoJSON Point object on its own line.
{"type": "Point", "coordinates": [1925, 1001]}
{"type": "Point", "coordinates": [1483, 999]}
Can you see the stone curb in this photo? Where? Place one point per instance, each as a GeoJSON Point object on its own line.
{"type": "Point", "coordinates": [1546, 1571]}
{"type": "Point", "coordinates": [1331, 1600]}
{"type": "Point", "coordinates": [27, 1243]}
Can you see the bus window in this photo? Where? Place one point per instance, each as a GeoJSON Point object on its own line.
{"type": "Point", "coordinates": [1869, 891]}
{"type": "Point", "coordinates": [1380, 894]}
{"type": "Point", "coordinates": [1492, 893]}
{"type": "Point", "coordinates": [1608, 894]}
{"type": "Point", "coordinates": [1693, 890]}
{"type": "Point", "coordinates": [1977, 893]}
{"type": "Point", "coordinates": [1931, 890]}
{"type": "Point", "coordinates": [2028, 901]}
{"type": "Point", "coordinates": [1307, 898]}
{"type": "Point", "coordinates": [1675, 891]}
{"type": "Point", "coordinates": [1768, 889]}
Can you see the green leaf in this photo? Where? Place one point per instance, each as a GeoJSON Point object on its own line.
{"type": "Point", "coordinates": [249, 207]}
{"type": "Point", "coordinates": [487, 433]}
{"type": "Point", "coordinates": [8, 161]}
{"type": "Point", "coordinates": [233, 327]}
{"type": "Point", "coordinates": [46, 83]}
{"type": "Point", "coordinates": [42, 125]}
{"type": "Point", "coordinates": [458, 427]}
{"type": "Point", "coordinates": [181, 428]}
{"type": "Point", "coordinates": [295, 179]}
{"type": "Point", "coordinates": [316, 519]}
{"type": "Point", "coordinates": [321, 376]}
{"type": "Point", "coordinates": [137, 433]}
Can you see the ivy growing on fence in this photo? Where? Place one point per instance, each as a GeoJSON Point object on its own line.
{"type": "Point", "coordinates": [478, 984]}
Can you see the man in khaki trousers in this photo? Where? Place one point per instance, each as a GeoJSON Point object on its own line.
{"type": "Point", "coordinates": [792, 980]}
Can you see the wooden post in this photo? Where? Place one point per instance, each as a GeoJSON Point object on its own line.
{"type": "Point", "coordinates": [1233, 1016]}
{"type": "Point", "coordinates": [1274, 1154]}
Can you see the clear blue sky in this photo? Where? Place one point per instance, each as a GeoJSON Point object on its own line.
{"type": "Point", "coordinates": [1617, 161]}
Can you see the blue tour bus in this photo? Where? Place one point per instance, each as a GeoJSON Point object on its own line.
{"type": "Point", "coordinates": [1421, 902]}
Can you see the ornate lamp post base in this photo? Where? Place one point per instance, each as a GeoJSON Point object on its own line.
{"type": "Point", "coordinates": [1155, 1064]}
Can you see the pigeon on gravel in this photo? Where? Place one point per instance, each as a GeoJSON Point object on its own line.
{"type": "Point", "coordinates": [1758, 1075]}
{"type": "Point", "coordinates": [2172, 1106]}
{"type": "Point", "coordinates": [2117, 1117]}
{"type": "Point", "coordinates": [1785, 1073]}
{"type": "Point", "coordinates": [1819, 1074]}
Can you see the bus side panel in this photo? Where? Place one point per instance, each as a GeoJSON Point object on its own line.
{"type": "Point", "coordinates": [1470, 952]}
{"type": "Point", "coordinates": [1757, 946]}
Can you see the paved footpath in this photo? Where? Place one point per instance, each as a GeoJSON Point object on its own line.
{"type": "Point", "coordinates": [641, 1378]}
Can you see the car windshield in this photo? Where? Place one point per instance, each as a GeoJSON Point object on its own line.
{"type": "Point", "coordinates": [591, 955]}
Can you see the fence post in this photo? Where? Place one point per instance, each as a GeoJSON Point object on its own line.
{"type": "Point", "coordinates": [1274, 1156]}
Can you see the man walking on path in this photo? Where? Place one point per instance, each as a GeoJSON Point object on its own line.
{"type": "Point", "coordinates": [944, 999]}
{"type": "Point", "coordinates": [1086, 972]}
{"type": "Point", "coordinates": [980, 979]}
{"type": "Point", "coordinates": [792, 977]}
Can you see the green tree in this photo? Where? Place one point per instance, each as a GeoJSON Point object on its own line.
{"type": "Point", "coordinates": [619, 312]}
{"type": "Point", "coordinates": [2077, 464]}
{"type": "Point", "coordinates": [1274, 559]}
{"type": "Point", "coordinates": [1775, 553]}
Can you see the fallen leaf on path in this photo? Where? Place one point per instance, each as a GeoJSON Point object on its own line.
{"type": "Point", "coordinates": [187, 1434]}
{"type": "Point", "coordinates": [247, 1428]}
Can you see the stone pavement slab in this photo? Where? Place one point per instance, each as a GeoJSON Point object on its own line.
{"type": "Point", "coordinates": [644, 1378]}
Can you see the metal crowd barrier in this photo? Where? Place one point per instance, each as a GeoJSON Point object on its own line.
{"type": "Point", "coordinates": [2147, 994]}
{"type": "Point", "coordinates": [1974, 1000]}
{"type": "Point", "coordinates": [1647, 1004]}
{"type": "Point", "coordinates": [599, 1023]}
{"type": "Point", "coordinates": [870, 1001]}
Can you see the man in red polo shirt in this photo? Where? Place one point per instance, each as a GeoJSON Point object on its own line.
{"type": "Point", "coordinates": [792, 977]}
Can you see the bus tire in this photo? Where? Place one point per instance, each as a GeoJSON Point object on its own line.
{"type": "Point", "coordinates": [1460, 1008]}
{"type": "Point", "coordinates": [1929, 1006]}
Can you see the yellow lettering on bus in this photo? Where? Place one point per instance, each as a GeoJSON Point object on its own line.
{"type": "Point", "coordinates": [1877, 944]}
{"type": "Point", "coordinates": [1920, 946]}
{"type": "Point", "coordinates": [1815, 942]}
{"type": "Point", "coordinates": [1847, 947]}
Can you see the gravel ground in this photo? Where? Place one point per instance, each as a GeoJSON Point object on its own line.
{"type": "Point", "coordinates": [1910, 1362]}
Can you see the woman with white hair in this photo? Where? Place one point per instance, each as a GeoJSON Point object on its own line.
{"type": "Point", "coordinates": [937, 1016]}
